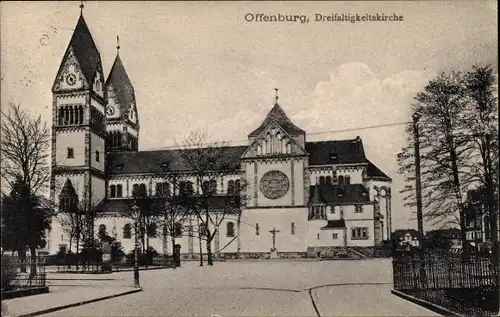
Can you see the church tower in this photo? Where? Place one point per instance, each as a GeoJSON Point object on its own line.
{"type": "Point", "coordinates": [121, 111]}
{"type": "Point", "coordinates": [78, 125]}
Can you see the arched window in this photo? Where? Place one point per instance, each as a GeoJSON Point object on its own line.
{"type": "Point", "coordinates": [213, 187]}
{"type": "Point", "coordinates": [66, 115]}
{"type": "Point", "coordinates": [341, 180]}
{"type": "Point", "coordinates": [61, 116]}
{"type": "Point", "coordinates": [77, 113]}
{"type": "Point", "coordinates": [71, 115]}
{"type": "Point", "coordinates": [189, 188]}
{"type": "Point", "coordinates": [97, 158]}
{"type": "Point", "coordinates": [203, 229]}
{"type": "Point", "coordinates": [135, 190]}
{"type": "Point", "coordinates": [127, 231]}
{"type": "Point", "coordinates": [142, 190]}
{"type": "Point", "coordinates": [322, 180]}
{"type": "Point", "coordinates": [230, 229]}
{"type": "Point", "coordinates": [328, 180]}
{"type": "Point", "coordinates": [152, 230]}
{"type": "Point", "coordinates": [178, 229]}
{"type": "Point", "coordinates": [182, 188]}
{"type": "Point", "coordinates": [237, 187]}
{"type": "Point", "coordinates": [230, 187]}
{"type": "Point", "coordinates": [102, 231]}
{"type": "Point", "coordinates": [119, 190]}
{"type": "Point", "coordinates": [112, 191]}
{"type": "Point", "coordinates": [205, 187]}
{"type": "Point", "coordinates": [347, 180]}
{"type": "Point", "coordinates": [259, 149]}
{"type": "Point", "coordinates": [80, 109]}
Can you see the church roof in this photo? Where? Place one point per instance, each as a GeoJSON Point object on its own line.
{"type": "Point", "coordinates": [85, 50]}
{"type": "Point", "coordinates": [279, 116]}
{"type": "Point", "coordinates": [336, 152]}
{"type": "Point", "coordinates": [154, 161]}
{"type": "Point", "coordinates": [320, 153]}
{"type": "Point", "coordinates": [120, 81]}
{"type": "Point", "coordinates": [342, 194]}
{"type": "Point", "coordinates": [374, 172]}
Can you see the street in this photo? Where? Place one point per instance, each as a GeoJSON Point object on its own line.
{"type": "Point", "coordinates": [285, 288]}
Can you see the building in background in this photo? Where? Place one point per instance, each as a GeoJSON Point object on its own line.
{"type": "Point", "coordinates": [329, 195]}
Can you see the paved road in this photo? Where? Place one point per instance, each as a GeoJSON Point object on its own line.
{"type": "Point", "coordinates": [337, 288]}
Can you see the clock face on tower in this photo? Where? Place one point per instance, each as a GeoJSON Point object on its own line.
{"type": "Point", "coordinates": [110, 111]}
{"type": "Point", "coordinates": [71, 79]}
{"type": "Point", "coordinates": [274, 184]}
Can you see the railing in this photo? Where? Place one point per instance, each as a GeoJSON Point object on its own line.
{"type": "Point", "coordinates": [464, 283]}
{"type": "Point", "coordinates": [17, 274]}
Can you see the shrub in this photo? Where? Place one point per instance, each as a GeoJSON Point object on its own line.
{"type": "Point", "coordinates": [9, 273]}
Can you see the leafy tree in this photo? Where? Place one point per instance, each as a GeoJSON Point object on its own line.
{"type": "Point", "coordinates": [482, 126]}
{"type": "Point", "coordinates": [445, 151]}
{"type": "Point", "coordinates": [25, 222]}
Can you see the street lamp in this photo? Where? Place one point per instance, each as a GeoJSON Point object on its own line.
{"type": "Point", "coordinates": [136, 212]}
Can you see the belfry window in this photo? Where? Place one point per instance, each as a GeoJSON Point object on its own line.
{"type": "Point", "coordinates": [71, 153]}
{"type": "Point", "coordinates": [97, 156]}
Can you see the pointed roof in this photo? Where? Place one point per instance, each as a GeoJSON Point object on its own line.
{"type": "Point", "coordinates": [374, 172]}
{"type": "Point", "coordinates": [85, 50]}
{"type": "Point", "coordinates": [120, 81]}
{"type": "Point", "coordinates": [68, 190]}
{"type": "Point", "coordinates": [279, 116]}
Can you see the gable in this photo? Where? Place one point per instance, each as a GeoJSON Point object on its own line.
{"type": "Point", "coordinates": [274, 140]}
{"type": "Point", "coordinates": [70, 75]}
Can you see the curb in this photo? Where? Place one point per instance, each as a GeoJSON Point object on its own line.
{"type": "Point", "coordinates": [53, 309]}
{"type": "Point", "coordinates": [433, 307]}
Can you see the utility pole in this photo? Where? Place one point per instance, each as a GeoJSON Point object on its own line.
{"type": "Point", "coordinates": [418, 188]}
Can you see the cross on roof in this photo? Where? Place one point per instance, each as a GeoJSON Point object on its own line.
{"type": "Point", "coordinates": [276, 95]}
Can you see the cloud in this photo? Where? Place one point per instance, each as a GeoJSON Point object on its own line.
{"type": "Point", "coordinates": [354, 97]}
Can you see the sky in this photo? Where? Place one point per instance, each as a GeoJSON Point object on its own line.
{"type": "Point", "coordinates": [202, 65]}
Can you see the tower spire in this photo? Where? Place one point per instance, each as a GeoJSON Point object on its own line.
{"type": "Point", "coordinates": [117, 45]}
{"type": "Point", "coordinates": [81, 7]}
{"type": "Point", "coordinates": [276, 95]}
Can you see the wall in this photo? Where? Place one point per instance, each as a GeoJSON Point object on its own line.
{"type": "Point", "coordinates": [97, 144]}
{"type": "Point", "coordinates": [98, 190]}
{"type": "Point", "coordinates": [281, 220]}
{"type": "Point", "coordinates": [369, 224]}
{"type": "Point", "coordinates": [74, 139]}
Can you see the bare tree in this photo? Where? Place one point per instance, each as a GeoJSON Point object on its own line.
{"type": "Point", "coordinates": [170, 206]}
{"type": "Point", "coordinates": [25, 144]}
{"type": "Point", "coordinates": [445, 151]}
{"type": "Point", "coordinates": [25, 149]}
{"type": "Point", "coordinates": [208, 164]}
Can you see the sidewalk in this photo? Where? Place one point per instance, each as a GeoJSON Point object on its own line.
{"type": "Point", "coordinates": [62, 298]}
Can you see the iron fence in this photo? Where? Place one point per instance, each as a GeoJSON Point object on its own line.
{"type": "Point", "coordinates": [464, 283]}
{"type": "Point", "coordinates": [18, 274]}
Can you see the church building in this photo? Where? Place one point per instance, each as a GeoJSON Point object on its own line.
{"type": "Point", "coordinates": [301, 196]}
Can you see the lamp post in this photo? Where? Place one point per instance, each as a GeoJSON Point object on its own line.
{"type": "Point", "coordinates": [136, 211]}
